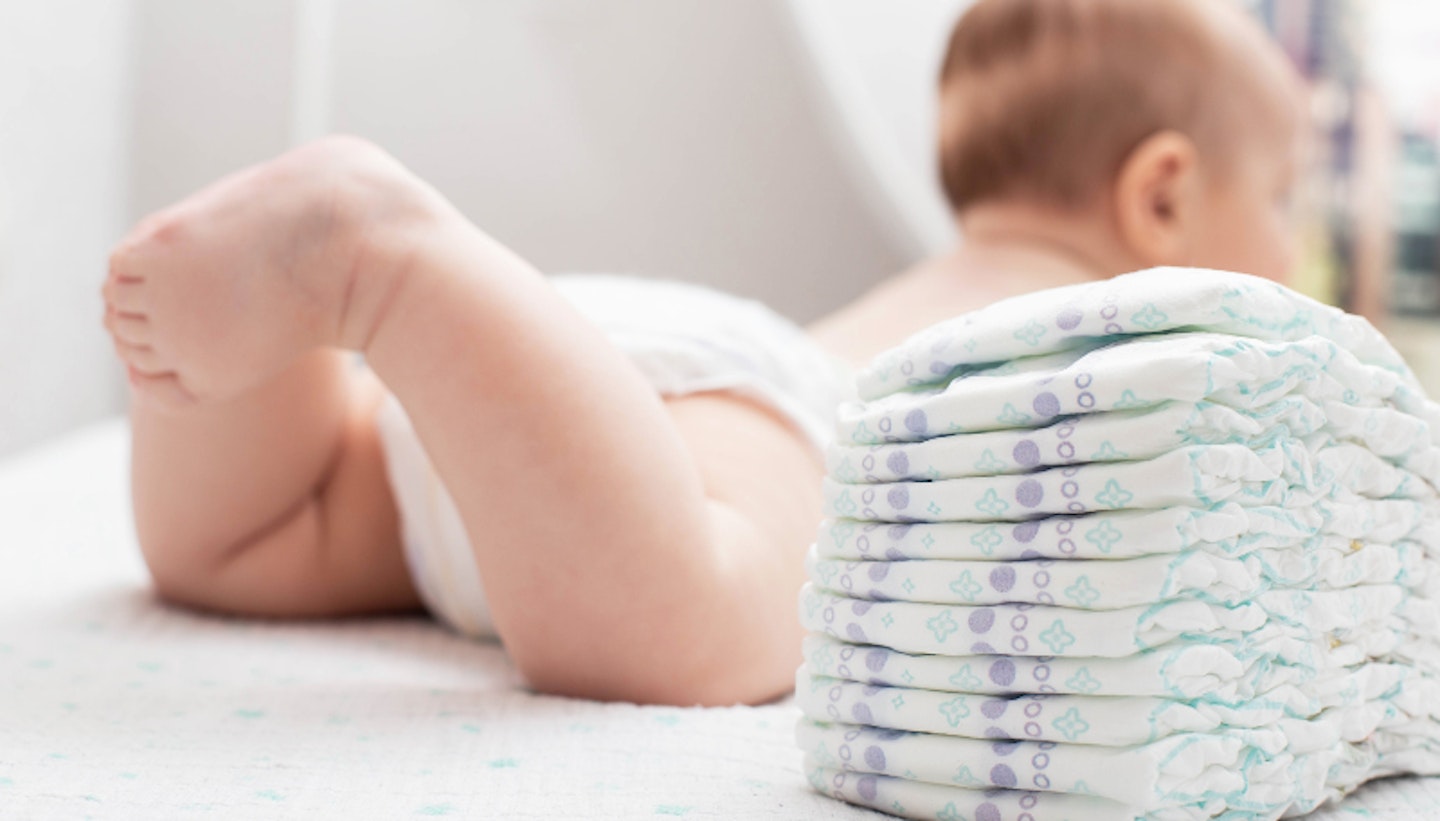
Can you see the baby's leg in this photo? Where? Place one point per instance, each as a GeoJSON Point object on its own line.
{"type": "Point", "coordinates": [618, 564]}
{"type": "Point", "coordinates": [274, 502]}
{"type": "Point", "coordinates": [611, 570]}
{"type": "Point", "coordinates": [270, 499]}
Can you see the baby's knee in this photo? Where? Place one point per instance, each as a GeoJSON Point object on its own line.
{"type": "Point", "coordinates": [176, 575]}
{"type": "Point", "coordinates": [366, 177]}
{"type": "Point", "coordinates": [634, 684]}
{"type": "Point", "coordinates": [639, 669]}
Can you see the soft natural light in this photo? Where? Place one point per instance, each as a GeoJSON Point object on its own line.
{"type": "Point", "coordinates": [818, 410]}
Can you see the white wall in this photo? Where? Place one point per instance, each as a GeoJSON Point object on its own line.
{"type": "Point", "coordinates": [874, 67]}
{"type": "Point", "coordinates": [211, 92]}
{"type": "Point", "coordinates": [673, 138]}
{"type": "Point", "coordinates": [670, 138]}
{"type": "Point", "coordinates": [63, 130]}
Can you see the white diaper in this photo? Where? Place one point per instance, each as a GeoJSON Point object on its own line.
{"type": "Point", "coordinates": [1285, 474]}
{"type": "Point", "coordinates": [1286, 624]}
{"type": "Point", "coordinates": [1158, 301]}
{"type": "Point", "coordinates": [1144, 434]}
{"type": "Point", "coordinates": [685, 339]}
{"type": "Point", "coordinates": [1227, 529]}
{"type": "Point", "coordinates": [1141, 372]}
{"type": "Point", "coordinates": [921, 798]}
{"type": "Point", "coordinates": [1107, 585]}
{"type": "Point", "coordinates": [1160, 547]}
{"type": "Point", "coordinates": [1183, 770]}
{"type": "Point", "coordinates": [1180, 670]}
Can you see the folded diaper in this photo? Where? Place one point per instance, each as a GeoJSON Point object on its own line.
{"type": "Point", "coordinates": [1163, 547]}
{"type": "Point", "coordinates": [1143, 434]}
{"type": "Point", "coordinates": [1092, 719]}
{"type": "Point", "coordinates": [1021, 629]}
{"type": "Point", "coordinates": [1150, 302]}
{"type": "Point", "coordinates": [919, 799]}
{"type": "Point", "coordinates": [1107, 585]}
{"type": "Point", "coordinates": [1185, 769]}
{"type": "Point", "coordinates": [1226, 529]}
{"type": "Point", "coordinates": [1284, 474]}
{"type": "Point", "coordinates": [1130, 374]}
{"type": "Point", "coordinates": [1186, 669]}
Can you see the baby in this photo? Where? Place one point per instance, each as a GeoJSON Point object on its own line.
{"type": "Point", "coordinates": [1080, 139]}
{"type": "Point", "coordinates": [619, 478]}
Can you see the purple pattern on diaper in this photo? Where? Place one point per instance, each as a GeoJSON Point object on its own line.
{"type": "Point", "coordinates": [982, 620]}
{"type": "Point", "coordinates": [1002, 672]}
{"type": "Point", "coordinates": [915, 421]}
{"type": "Point", "coordinates": [899, 463]}
{"type": "Point", "coordinates": [1026, 454]}
{"type": "Point", "coordinates": [1029, 493]}
{"type": "Point", "coordinates": [875, 757]}
{"type": "Point", "coordinates": [875, 660]}
{"type": "Point", "coordinates": [866, 787]}
{"type": "Point", "coordinates": [1003, 744]}
{"type": "Point", "coordinates": [1047, 405]}
{"type": "Point", "coordinates": [1002, 578]}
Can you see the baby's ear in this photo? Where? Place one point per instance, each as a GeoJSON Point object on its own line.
{"type": "Point", "coordinates": [1157, 199]}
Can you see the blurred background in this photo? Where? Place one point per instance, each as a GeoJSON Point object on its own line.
{"type": "Point", "coordinates": [780, 149]}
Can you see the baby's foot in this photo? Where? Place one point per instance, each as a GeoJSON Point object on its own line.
{"type": "Point", "coordinates": [213, 296]}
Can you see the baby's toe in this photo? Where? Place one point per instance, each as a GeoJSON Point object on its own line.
{"type": "Point", "coordinates": [125, 295]}
{"type": "Point", "coordinates": [132, 329]}
{"type": "Point", "coordinates": [142, 357]}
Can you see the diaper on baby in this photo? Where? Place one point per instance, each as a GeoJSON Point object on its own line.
{"type": "Point", "coordinates": [1166, 546]}
{"type": "Point", "coordinates": [685, 339]}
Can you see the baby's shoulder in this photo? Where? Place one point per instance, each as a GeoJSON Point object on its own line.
{"type": "Point", "coordinates": [901, 306]}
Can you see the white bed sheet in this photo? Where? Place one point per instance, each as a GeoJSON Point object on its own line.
{"type": "Point", "coordinates": [115, 706]}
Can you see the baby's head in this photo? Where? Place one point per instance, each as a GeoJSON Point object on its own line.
{"type": "Point", "coordinates": [1172, 125]}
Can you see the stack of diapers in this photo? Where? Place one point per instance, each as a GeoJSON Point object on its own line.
{"type": "Point", "coordinates": [1161, 547]}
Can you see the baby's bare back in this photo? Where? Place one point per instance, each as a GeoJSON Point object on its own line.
{"type": "Point", "coordinates": [933, 291]}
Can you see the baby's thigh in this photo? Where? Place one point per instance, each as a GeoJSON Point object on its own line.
{"type": "Point", "coordinates": [339, 552]}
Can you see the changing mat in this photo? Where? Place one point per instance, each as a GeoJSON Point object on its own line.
{"type": "Point", "coordinates": [114, 706]}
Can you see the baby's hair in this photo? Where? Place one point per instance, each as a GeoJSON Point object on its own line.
{"type": "Point", "coordinates": [1045, 99]}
